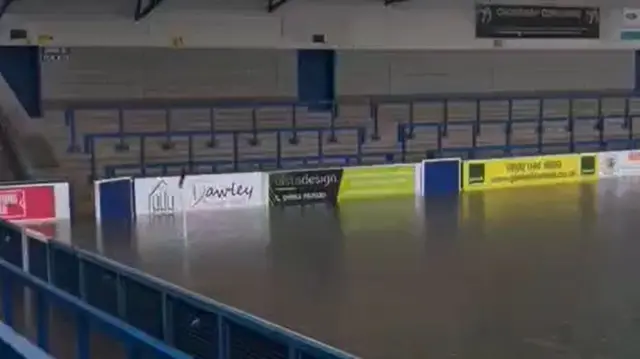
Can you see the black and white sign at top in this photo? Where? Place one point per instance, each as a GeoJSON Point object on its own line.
{"type": "Point", "coordinates": [304, 187]}
{"type": "Point", "coordinates": [542, 22]}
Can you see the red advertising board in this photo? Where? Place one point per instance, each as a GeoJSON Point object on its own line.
{"type": "Point", "coordinates": [27, 203]}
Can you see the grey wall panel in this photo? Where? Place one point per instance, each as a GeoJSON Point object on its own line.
{"type": "Point", "coordinates": [123, 73]}
{"type": "Point", "coordinates": [425, 72]}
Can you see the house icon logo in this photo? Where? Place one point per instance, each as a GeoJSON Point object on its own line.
{"type": "Point", "coordinates": [160, 200]}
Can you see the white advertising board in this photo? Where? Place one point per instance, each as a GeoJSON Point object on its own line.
{"type": "Point", "coordinates": [619, 164]}
{"type": "Point", "coordinates": [162, 195]}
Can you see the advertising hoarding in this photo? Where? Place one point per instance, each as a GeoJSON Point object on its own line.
{"type": "Point", "coordinates": [619, 164]}
{"type": "Point", "coordinates": [163, 195]}
{"type": "Point", "coordinates": [38, 201]}
{"type": "Point", "coordinates": [333, 186]}
{"type": "Point", "coordinates": [529, 171]}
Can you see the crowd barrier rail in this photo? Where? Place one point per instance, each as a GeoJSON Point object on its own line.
{"type": "Point", "coordinates": [590, 121]}
{"type": "Point", "coordinates": [192, 324]}
{"type": "Point", "coordinates": [26, 261]}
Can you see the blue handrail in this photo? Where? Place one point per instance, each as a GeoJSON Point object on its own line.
{"type": "Point", "coordinates": [163, 311]}
{"type": "Point", "coordinates": [14, 346]}
{"type": "Point", "coordinates": [369, 131]}
{"type": "Point", "coordinates": [87, 317]}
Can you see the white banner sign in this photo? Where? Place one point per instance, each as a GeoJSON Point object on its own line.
{"type": "Point", "coordinates": [162, 195]}
{"type": "Point", "coordinates": [619, 164]}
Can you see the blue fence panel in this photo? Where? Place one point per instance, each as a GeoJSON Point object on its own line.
{"type": "Point", "coordinates": [98, 291]}
{"type": "Point", "coordinates": [143, 307]}
{"type": "Point", "coordinates": [101, 288]}
{"type": "Point", "coordinates": [65, 268]}
{"type": "Point", "coordinates": [58, 258]}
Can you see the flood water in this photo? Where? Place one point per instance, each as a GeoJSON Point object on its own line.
{"type": "Point", "coordinates": [547, 272]}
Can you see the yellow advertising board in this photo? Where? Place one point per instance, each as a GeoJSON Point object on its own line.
{"type": "Point", "coordinates": [377, 182]}
{"type": "Point", "coordinates": [529, 171]}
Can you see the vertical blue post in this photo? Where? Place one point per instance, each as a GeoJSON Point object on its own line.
{"type": "Point", "coordinates": [636, 74]}
{"type": "Point", "coordinates": [316, 78]}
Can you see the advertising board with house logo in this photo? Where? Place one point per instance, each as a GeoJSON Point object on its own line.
{"type": "Point", "coordinates": [165, 196]}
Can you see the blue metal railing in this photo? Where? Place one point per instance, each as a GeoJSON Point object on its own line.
{"type": "Point", "coordinates": [547, 113]}
{"type": "Point", "coordinates": [14, 346]}
{"type": "Point", "coordinates": [13, 276]}
{"type": "Point", "coordinates": [107, 290]}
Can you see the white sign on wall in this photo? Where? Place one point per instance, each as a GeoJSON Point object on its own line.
{"type": "Point", "coordinates": [162, 195]}
{"type": "Point", "coordinates": [619, 164]}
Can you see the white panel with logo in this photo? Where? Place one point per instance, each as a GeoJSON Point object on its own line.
{"type": "Point", "coordinates": [163, 196]}
{"type": "Point", "coordinates": [619, 164]}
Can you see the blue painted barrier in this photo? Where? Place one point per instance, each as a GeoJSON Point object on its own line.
{"type": "Point", "coordinates": [14, 346]}
{"type": "Point", "coordinates": [190, 323]}
{"type": "Point", "coordinates": [18, 270]}
{"type": "Point", "coordinates": [537, 109]}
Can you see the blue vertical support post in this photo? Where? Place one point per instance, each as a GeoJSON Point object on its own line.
{"type": "Point", "coordinates": [223, 338]}
{"type": "Point", "coordinates": [7, 300]}
{"type": "Point", "coordinates": [636, 79]}
{"type": "Point", "coordinates": [293, 140]}
{"type": "Point", "coordinates": [279, 149]}
{"type": "Point", "coordinates": [373, 112]}
{"type": "Point", "coordinates": [212, 128]}
{"type": "Point", "coordinates": [402, 138]}
{"type": "Point", "coordinates": [122, 145]}
{"type": "Point", "coordinates": [361, 139]}
{"type": "Point", "coordinates": [320, 146]}
{"type": "Point", "coordinates": [83, 347]}
{"type": "Point", "coordinates": [236, 160]}
{"type": "Point", "coordinates": [478, 114]}
{"type": "Point", "coordinates": [190, 154]}
{"type": "Point", "coordinates": [92, 159]}
{"type": "Point", "coordinates": [445, 118]}
{"type": "Point", "coordinates": [143, 165]}
{"type": "Point", "coordinates": [254, 127]}
{"type": "Point", "coordinates": [540, 125]}
{"type": "Point", "coordinates": [168, 129]}
{"type": "Point", "coordinates": [332, 125]}
{"type": "Point", "coordinates": [42, 321]}
{"type": "Point", "coordinates": [70, 121]}
{"type": "Point", "coordinates": [571, 127]}
{"type": "Point", "coordinates": [411, 119]}
{"type": "Point", "coordinates": [629, 124]}
{"type": "Point", "coordinates": [600, 125]}
{"type": "Point", "coordinates": [509, 128]}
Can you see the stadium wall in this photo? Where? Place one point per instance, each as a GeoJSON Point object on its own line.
{"type": "Point", "coordinates": [126, 73]}
{"type": "Point", "coordinates": [346, 24]}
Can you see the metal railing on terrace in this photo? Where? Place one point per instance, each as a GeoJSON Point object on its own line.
{"type": "Point", "coordinates": [216, 137]}
{"type": "Point", "coordinates": [152, 318]}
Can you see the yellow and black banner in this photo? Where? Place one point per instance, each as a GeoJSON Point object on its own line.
{"type": "Point", "coordinates": [529, 171]}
